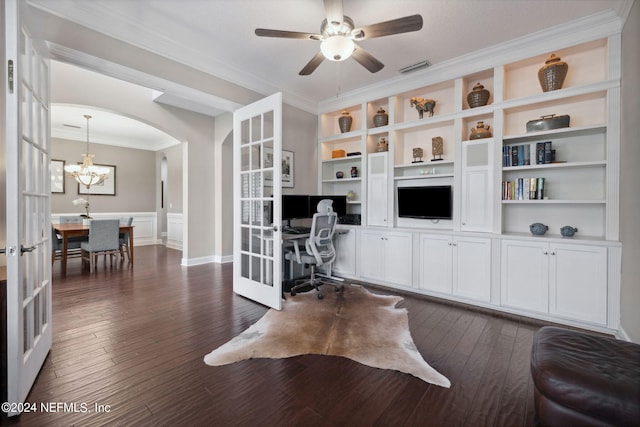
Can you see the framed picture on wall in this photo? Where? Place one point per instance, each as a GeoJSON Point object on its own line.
{"type": "Point", "coordinates": [106, 188]}
{"type": "Point", "coordinates": [287, 166]}
{"type": "Point", "coordinates": [57, 176]}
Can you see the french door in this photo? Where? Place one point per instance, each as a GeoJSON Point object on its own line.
{"type": "Point", "coordinates": [257, 170]}
{"type": "Point", "coordinates": [27, 217]}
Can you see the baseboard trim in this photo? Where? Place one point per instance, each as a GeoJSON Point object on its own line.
{"type": "Point", "coordinates": [223, 259]}
{"type": "Point", "coordinates": [188, 262]}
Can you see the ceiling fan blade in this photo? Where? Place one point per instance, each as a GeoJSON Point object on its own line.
{"type": "Point", "coordinates": [334, 11]}
{"type": "Point", "coordinates": [367, 60]}
{"type": "Point", "coordinates": [263, 32]}
{"type": "Point", "coordinates": [312, 65]}
{"type": "Point", "coordinates": [387, 28]}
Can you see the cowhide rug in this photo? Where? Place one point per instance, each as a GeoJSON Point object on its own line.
{"type": "Point", "coordinates": [356, 324]}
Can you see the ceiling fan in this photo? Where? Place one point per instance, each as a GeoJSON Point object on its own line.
{"type": "Point", "coordinates": [338, 35]}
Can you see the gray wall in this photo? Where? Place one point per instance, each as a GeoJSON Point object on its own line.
{"type": "Point", "coordinates": [630, 176]}
{"type": "Point", "coordinates": [134, 179]}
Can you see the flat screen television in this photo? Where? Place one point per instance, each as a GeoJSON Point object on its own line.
{"type": "Point", "coordinates": [427, 202]}
{"type": "Point", "coordinates": [339, 204]}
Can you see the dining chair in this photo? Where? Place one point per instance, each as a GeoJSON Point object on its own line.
{"type": "Point", "coordinates": [124, 238]}
{"type": "Point", "coordinates": [73, 247]}
{"type": "Point", "coordinates": [103, 239]}
{"type": "Point", "coordinates": [71, 219]}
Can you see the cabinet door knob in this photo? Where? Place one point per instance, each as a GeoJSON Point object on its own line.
{"type": "Point", "coordinates": [553, 253]}
{"type": "Point", "coordinates": [545, 253]}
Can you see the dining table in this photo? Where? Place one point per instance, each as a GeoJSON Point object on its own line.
{"type": "Point", "coordinates": [78, 229]}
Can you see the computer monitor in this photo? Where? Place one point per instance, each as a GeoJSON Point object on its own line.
{"type": "Point", "coordinates": [339, 204]}
{"type": "Point", "coordinates": [295, 206]}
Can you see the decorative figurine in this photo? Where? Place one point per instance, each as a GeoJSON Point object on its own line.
{"type": "Point", "coordinates": [437, 148]}
{"type": "Point", "coordinates": [417, 155]}
{"type": "Point", "coordinates": [383, 145]}
{"type": "Point", "coordinates": [354, 172]}
{"type": "Point", "coordinates": [568, 231]}
{"type": "Point", "coordinates": [423, 105]}
{"type": "Point", "coordinates": [538, 228]}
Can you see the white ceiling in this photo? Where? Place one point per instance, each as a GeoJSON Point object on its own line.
{"type": "Point", "coordinates": [217, 36]}
{"type": "Point", "coordinates": [105, 127]}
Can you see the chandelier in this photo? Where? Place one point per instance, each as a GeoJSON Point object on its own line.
{"type": "Point", "coordinates": [87, 173]}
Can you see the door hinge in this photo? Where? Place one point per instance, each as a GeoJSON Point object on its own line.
{"type": "Point", "coordinates": [10, 75]}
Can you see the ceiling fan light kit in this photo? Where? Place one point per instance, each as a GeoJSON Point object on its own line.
{"type": "Point", "coordinates": [337, 48]}
{"type": "Point", "coordinates": [338, 36]}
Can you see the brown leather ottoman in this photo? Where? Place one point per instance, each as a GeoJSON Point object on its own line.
{"type": "Point", "coordinates": [583, 379]}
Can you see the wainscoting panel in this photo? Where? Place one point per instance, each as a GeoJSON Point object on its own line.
{"type": "Point", "coordinates": [174, 231]}
{"type": "Point", "coordinates": [145, 224]}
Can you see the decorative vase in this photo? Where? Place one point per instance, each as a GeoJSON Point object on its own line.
{"type": "Point", "coordinates": [551, 75]}
{"type": "Point", "coordinates": [383, 145]}
{"type": "Point", "coordinates": [86, 221]}
{"type": "Point", "coordinates": [437, 148]}
{"type": "Point", "coordinates": [538, 228]}
{"type": "Point", "coordinates": [354, 172]}
{"type": "Point", "coordinates": [478, 96]}
{"type": "Point", "coordinates": [480, 131]}
{"type": "Point", "coordinates": [568, 231]}
{"type": "Point", "coordinates": [351, 195]}
{"type": "Point", "coordinates": [339, 175]}
{"type": "Point", "coordinates": [345, 121]}
{"type": "Point", "coordinates": [381, 118]}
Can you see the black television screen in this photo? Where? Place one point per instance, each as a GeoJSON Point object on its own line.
{"type": "Point", "coordinates": [295, 206]}
{"type": "Point", "coordinates": [339, 204]}
{"type": "Point", "coordinates": [429, 202]}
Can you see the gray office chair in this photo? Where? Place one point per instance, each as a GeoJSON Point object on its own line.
{"type": "Point", "coordinates": [124, 238]}
{"type": "Point", "coordinates": [103, 239]}
{"type": "Point", "coordinates": [319, 249]}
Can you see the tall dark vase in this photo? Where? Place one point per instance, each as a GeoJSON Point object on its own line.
{"type": "Point", "coordinates": [345, 121]}
{"type": "Point", "coordinates": [552, 74]}
{"type": "Point", "coordinates": [478, 96]}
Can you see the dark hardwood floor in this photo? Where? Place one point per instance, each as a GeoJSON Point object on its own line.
{"type": "Point", "coordinates": [133, 341]}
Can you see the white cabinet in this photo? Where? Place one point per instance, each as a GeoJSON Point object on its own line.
{"type": "Point", "coordinates": [344, 241]}
{"type": "Point", "coordinates": [476, 213]}
{"type": "Point", "coordinates": [456, 265]}
{"type": "Point", "coordinates": [578, 282]}
{"type": "Point", "coordinates": [566, 280]}
{"type": "Point", "coordinates": [377, 191]}
{"type": "Point", "coordinates": [386, 256]}
{"type": "Point", "coordinates": [436, 263]}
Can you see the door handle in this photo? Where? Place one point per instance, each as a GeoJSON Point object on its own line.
{"type": "Point", "coordinates": [27, 249]}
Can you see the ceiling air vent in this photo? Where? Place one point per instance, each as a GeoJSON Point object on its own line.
{"type": "Point", "coordinates": [71, 126]}
{"type": "Point", "coordinates": [416, 66]}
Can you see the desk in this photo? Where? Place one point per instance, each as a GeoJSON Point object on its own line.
{"type": "Point", "coordinates": [74, 230]}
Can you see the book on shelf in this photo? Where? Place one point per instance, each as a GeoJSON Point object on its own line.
{"type": "Point", "coordinates": [523, 189]}
{"type": "Point", "coordinates": [544, 154]}
{"type": "Point", "coordinates": [517, 155]}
